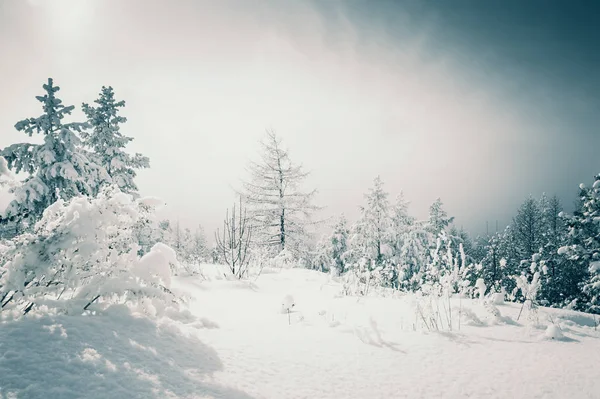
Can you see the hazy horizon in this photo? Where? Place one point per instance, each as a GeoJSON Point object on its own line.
{"type": "Point", "coordinates": [481, 104]}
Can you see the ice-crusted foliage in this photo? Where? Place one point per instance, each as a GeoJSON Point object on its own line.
{"type": "Point", "coordinates": [7, 179]}
{"type": "Point", "coordinates": [364, 279]}
{"type": "Point", "coordinates": [57, 168]}
{"type": "Point", "coordinates": [83, 254]}
{"type": "Point", "coordinates": [108, 143]}
{"type": "Point", "coordinates": [529, 287]}
{"type": "Point", "coordinates": [442, 272]}
{"type": "Point", "coordinates": [461, 242]}
{"type": "Point", "coordinates": [583, 242]}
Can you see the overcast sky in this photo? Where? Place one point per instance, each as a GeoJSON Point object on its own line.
{"type": "Point", "coordinates": [478, 102]}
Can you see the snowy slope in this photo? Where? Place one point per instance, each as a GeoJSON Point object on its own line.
{"type": "Point", "coordinates": [327, 347]}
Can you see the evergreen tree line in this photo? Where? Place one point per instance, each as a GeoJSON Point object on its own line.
{"type": "Point", "coordinates": [560, 252]}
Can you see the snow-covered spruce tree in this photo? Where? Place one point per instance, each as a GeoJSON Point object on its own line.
{"type": "Point", "coordinates": [165, 232]}
{"type": "Point", "coordinates": [441, 264]}
{"type": "Point", "coordinates": [373, 229]}
{"type": "Point", "coordinates": [280, 211]}
{"type": "Point", "coordinates": [414, 255]}
{"type": "Point", "coordinates": [339, 245]}
{"type": "Point", "coordinates": [147, 230]}
{"type": "Point", "coordinates": [108, 143]}
{"type": "Point", "coordinates": [83, 255]}
{"type": "Point", "coordinates": [438, 223]}
{"type": "Point", "coordinates": [323, 257]}
{"type": "Point", "coordinates": [560, 277]}
{"type": "Point", "coordinates": [492, 271]}
{"type": "Point", "coordinates": [199, 251]}
{"type": "Point", "coordinates": [438, 218]}
{"type": "Point", "coordinates": [409, 241]}
{"type": "Point", "coordinates": [500, 262]}
{"type": "Point", "coordinates": [370, 242]}
{"type": "Point", "coordinates": [400, 224]}
{"type": "Point", "coordinates": [528, 231]}
{"type": "Point", "coordinates": [583, 244]}
{"type": "Point", "coordinates": [57, 168]}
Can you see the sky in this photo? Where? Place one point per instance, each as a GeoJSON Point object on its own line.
{"type": "Point", "coordinates": [479, 103]}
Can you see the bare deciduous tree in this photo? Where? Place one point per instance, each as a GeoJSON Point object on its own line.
{"type": "Point", "coordinates": [234, 241]}
{"type": "Point", "coordinates": [279, 210]}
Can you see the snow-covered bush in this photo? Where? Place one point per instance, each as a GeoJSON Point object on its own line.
{"type": "Point", "coordinates": [284, 260]}
{"type": "Point", "coordinates": [83, 255]}
{"type": "Point", "coordinates": [529, 289]}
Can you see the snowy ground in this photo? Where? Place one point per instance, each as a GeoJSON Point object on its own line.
{"type": "Point", "coordinates": [328, 347]}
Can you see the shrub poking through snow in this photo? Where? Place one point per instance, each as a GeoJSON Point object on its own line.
{"type": "Point", "coordinates": [234, 243]}
{"type": "Point", "coordinates": [287, 305]}
{"type": "Point", "coordinates": [81, 256]}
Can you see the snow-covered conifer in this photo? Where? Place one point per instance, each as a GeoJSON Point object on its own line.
{"type": "Point", "coordinates": [438, 218]}
{"type": "Point", "coordinates": [108, 143]}
{"type": "Point", "coordinates": [372, 232]}
{"type": "Point", "coordinates": [339, 244]}
{"type": "Point", "coordinates": [583, 243]}
{"type": "Point", "coordinates": [56, 168]}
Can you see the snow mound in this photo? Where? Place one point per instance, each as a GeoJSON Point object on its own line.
{"type": "Point", "coordinates": [554, 332]}
{"type": "Point", "coordinates": [109, 356]}
{"type": "Point", "coordinates": [497, 298]}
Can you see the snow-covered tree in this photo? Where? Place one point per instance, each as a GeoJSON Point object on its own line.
{"type": "Point", "coordinates": [56, 168]}
{"type": "Point", "coordinates": [528, 230]}
{"type": "Point", "coordinates": [177, 239]}
{"type": "Point", "coordinates": [233, 242]}
{"type": "Point", "coordinates": [461, 237]}
{"type": "Point", "coordinates": [108, 143]}
{"type": "Point", "coordinates": [501, 261]}
{"type": "Point", "coordinates": [279, 209]}
{"type": "Point", "coordinates": [560, 277]}
{"type": "Point", "coordinates": [323, 257]}
{"type": "Point", "coordinates": [339, 244]}
{"type": "Point", "coordinates": [187, 245]}
{"type": "Point", "coordinates": [199, 251]}
{"type": "Point", "coordinates": [147, 229]}
{"type": "Point", "coordinates": [441, 261]}
{"type": "Point", "coordinates": [372, 232]}
{"type": "Point", "coordinates": [401, 222]}
{"type": "Point", "coordinates": [438, 218]}
{"type": "Point", "coordinates": [83, 255]}
{"type": "Point", "coordinates": [413, 256]}
{"type": "Point", "coordinates": [583, 243]}
{"type": "Point", "coordinates": [165, 232]}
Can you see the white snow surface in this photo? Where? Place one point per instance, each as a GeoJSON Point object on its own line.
{"type": "Point", "coordinates": [241, 346]}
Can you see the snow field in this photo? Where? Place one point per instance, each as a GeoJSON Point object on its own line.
{"type": "Point", "coordinates": [243, 346]}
